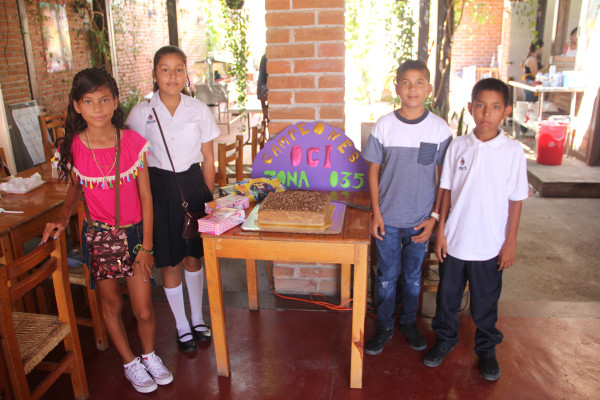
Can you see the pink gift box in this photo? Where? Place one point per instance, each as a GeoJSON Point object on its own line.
{"type": "Point", "coordinates": [221, 221]}
{"type": "Point", "coordinates": [229, 201]}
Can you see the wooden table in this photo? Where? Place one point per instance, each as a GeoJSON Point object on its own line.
{"type": "Point", "coordinates": [350, 247]}
{"type": "Point", "coordinates": [39, 206]}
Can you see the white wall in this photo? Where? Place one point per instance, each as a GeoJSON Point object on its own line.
{"type": "Point", "coordinates": [574, 15]}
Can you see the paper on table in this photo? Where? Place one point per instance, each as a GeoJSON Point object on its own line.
{"type": "Point", "coordinates": [22, 185]}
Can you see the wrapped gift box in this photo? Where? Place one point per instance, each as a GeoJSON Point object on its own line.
{"type": "Point", "coordinates": [230, 201]}
{"type": "Point", "coordinates": [221, 221]}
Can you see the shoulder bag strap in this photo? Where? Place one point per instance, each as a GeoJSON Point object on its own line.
{"type": "Point", "coordinates": [117, 185]}
{"type": "Point", "coordinates": [183, 202]}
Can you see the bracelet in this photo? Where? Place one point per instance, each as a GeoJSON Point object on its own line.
{"type": "Point", "coordinates": [139, 247]}
{"type": "Point", "coordinates": [435, 215]}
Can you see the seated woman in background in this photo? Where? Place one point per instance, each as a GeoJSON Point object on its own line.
{"type": "Point", "coordinates": [571, 47]}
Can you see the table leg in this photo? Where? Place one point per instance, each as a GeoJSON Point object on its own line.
{"type": "Point", "coordinates": [359, 308]}
{"type": "Point", "coordinates": [570, 132]}
{"type": "Point", "coordinates": [252, 282]}
{"type": "Point", "coordinates": [346, 281]}
{"type": "Point", "coordinates": [217, 310]}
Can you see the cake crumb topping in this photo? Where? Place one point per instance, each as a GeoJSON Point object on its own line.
{"type": "Point", "coordinates": [296, 200]}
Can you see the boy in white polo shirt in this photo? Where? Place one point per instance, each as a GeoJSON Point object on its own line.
{"type": "Point", "coordinates": [484, 180]}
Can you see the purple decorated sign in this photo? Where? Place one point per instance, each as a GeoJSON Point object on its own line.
{"type": "Point", "coordinates": [313, 156]}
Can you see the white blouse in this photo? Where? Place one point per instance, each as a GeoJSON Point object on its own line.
{"type": "Point", "coordinates": [185, 131]}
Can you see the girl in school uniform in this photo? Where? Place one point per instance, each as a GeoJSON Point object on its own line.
{"type": "Point", "coordinates": [87, 158]}
{"type": "Point", "coordinates": [189, 129]}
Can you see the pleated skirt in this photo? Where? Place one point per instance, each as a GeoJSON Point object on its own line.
{"type": "Point", "coordinates": [169, 247]}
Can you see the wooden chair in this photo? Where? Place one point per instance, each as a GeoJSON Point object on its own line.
{"type": "Point", "coordinates": [27, 338]}
{"type": "Point", "coordinates": [227, 153]}
{"type": "Point", "coordinates": [81, 276]}
{"type": "Point", "coordinates": [258, 139]}
{"type": "Point", "coordinates": [52, 127]}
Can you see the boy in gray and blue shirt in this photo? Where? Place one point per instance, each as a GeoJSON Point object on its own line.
{"type": "Point", "coordinates": [404, 150]}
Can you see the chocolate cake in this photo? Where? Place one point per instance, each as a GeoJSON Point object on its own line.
{"type": "Point", "coordinates": [297, 208]}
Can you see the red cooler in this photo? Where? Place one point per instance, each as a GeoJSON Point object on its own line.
{"type": "Point", "coordinates": [550, 142]}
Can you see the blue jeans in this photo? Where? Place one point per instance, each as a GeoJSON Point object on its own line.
{"type": "Point", "coordinates": [398, 257]}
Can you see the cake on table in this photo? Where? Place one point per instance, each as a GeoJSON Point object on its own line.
{"type": "Point", "coordinates": [300, 208]}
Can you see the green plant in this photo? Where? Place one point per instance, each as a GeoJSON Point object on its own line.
{"type": "Point", "coordinates": [526, 11]}
{"type": "Point", "coordinates": [97, 35]}
{"type": "Point", "coordinates": [237, 30]}
{"type": "Point", "coordinates": [134, 97]}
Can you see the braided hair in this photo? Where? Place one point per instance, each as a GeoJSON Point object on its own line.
{"type": "Point", "coordinates": [85, 81]}
{"type": "Point", "coordinates": [163, 51]}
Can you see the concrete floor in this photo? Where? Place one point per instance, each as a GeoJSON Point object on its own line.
{"type": "Point", "coordinates": [573, 178]}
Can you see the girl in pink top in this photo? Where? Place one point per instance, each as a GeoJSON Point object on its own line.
{"type": "Point", "coordinates": [87, 159]}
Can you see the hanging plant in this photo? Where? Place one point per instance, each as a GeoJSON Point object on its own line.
{"type": "Point", "coordinates": [237, 30]}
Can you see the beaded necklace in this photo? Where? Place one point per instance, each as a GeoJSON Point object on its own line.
{"type": "Point", "coordinates": [105, 178]}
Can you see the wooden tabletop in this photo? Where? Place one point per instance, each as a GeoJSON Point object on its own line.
{"type": "Point", "coordinates": [39, 206]}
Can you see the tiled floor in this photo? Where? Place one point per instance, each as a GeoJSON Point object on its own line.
{"type": "Point", "coordinates": [280, 353]}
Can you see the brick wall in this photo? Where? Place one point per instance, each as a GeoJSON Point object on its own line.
{"type": "Point", "coordinates": [140, 29]}
{"type": "Point", "coordinates": [303, 278]}
{"type": "Point", "coordinates": [146, 31]}
{"type": "Point", "coordinates": [139, 33]}
{"type": "Point", "coordinates": [306, 56]}
{"type": "Point", "coordinates": [475, 43]}
{"type": "Point", "coordinates": [53, 87]}
{"type": "Point", "coordinates": [14, 81]}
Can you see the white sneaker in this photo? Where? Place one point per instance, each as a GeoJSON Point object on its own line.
{"type": "Point", "coordinates": [157, 369]}
{"type": "Point", "coordinates": [139, 377]}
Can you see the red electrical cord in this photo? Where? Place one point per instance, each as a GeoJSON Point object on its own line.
{"type": "Point", "coordinates": [330, 306]}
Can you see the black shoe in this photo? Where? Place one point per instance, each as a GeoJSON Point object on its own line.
{"type": "Point", "coordinates": [436, 354]}
{"type": "Point", "coordinates": [186, 345]}
{"type": "Point", "coordinates": [202, 336]}
{"type": "Point", "coordinates": [378, 340]}
{"type": "Point", "coordinates": [489, 368]}
{"type": "Point", "coordinates": [414, 337]}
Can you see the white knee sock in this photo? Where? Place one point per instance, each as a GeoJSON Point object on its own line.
{"type": "Point", "coordinates": [195, 286]}
{"type": "Point", "coordinates": [175, 299]}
